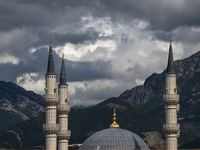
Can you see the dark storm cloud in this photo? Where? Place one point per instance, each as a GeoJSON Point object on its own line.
{"type": "Point", "coordinates": [87, 70]}
{"type": "Point", "coordinates": [187, 35]}
{"type": "Point", "coordinates": [26, 25]}
{"type": "Point", "coordinates": [19, 45]}
{"type": "Point", "coordinates": [162, 35]}
{"type": "Point", "coordinates": [63, 4]}
{"type": "Point", "coordinates": [182, 34]}
{"type": "Point", "coordinates": [41, 14]}
{"type": "Point", "coordinates": [34, 64]}
{"type": "Point", "coordinates": [90, 34]}
{"type": "Point", "coordinates": [59, 39]}
{"type": "Point", "coordinates": [14, 15]}
{"type": "Point", "coordinates": [162, 15]}
{"type": "Point", "coordinates": [37, 63]}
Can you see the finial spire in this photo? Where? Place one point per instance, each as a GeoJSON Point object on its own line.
{"type": "Point", "coordinates": [170, 65]}
{"type": "Point", "coordinates": [51, 41]}
{"type": "Point", "coordinates": [170, 41]}
{"type": "Point", "coordinates": [62, 55]}
{"type": "Point", "coordinates": [114, 124]}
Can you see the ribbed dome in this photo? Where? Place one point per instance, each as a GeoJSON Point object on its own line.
{"type": "Point", "coordinates": [114, 138]}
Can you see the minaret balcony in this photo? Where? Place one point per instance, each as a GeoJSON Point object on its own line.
{"type": "Point", "coordinates": [51, 99]}
{"type": "Point", "coordinates": [171, 128]}
{"type": "Point", "coordinates": [64, 134]}
{"type": "Point", "coordinates": [63, 109]}
{"type": "Point", "coordinates": [171, 99]}
{"type": "Point", "coordinates": [51, 128]}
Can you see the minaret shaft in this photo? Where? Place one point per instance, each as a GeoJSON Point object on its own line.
{"type": "Point", "coordinates": [171, 84]}
{"type": "Point", "coordinates": [171, 99]}
{"type": "Point", "coordinates": [63, 108]}
{"type": "Point", "coordinates": [51, 100]}
{"type": "Point", "coordinates": [50, 84]}
{"type": "Point", "coordinates": [63, 111]}
{"type": "Point", "coordinates": [171, 142]}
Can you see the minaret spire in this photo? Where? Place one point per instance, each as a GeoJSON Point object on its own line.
{"type": "Point", "coordinates": [50, 67]}
{"type": "Point", "coordinates": [170, 65]}
{"type": "Point", "coordinates": [63, 79]}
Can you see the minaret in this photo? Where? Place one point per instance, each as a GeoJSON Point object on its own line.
{"type": "Point", "coordinates": [63, 110]}
{"type": "Point", "coordinates": [171, 99]}
{"type": "Point", "coordinates": [51, 100]}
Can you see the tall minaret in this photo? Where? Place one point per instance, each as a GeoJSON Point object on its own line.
{"type": "Point", "coordinates": [63, 110]}
{"type": "Point", "coordinates": [51, 100]}
{"type": "Point", "coordinates": [171, 99]}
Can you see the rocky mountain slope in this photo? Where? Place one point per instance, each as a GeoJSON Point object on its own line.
{"type": "Point", "coordinates": [85, 122]}
{"type": "Point", "coordinates": [17, 104]}
{"type": "Point", "coordinates": [148, 97]}
{"type": "Point", "coordinates": [192, 145]}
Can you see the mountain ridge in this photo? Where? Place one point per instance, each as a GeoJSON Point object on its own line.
{"type": "Point", "coordinates": [17, 104]}
{"type": "Point", "coordinates": [187, 68]}
{"type": "Point", "coordinates": [83, 123]}
{"type": "Point", "coordinates": [188, 86]}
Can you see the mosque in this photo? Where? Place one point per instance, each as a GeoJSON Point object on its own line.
{"type": "Point", "coordinates": [57, 106]}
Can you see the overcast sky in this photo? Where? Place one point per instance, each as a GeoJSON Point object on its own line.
{"type": "Point", "coordinates": [109, 45]}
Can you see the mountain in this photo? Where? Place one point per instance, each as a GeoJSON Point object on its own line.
{"type": "Point", "coordinates": [17, 104]}
{"type": "Point", "coordinates": [148, 97]}
{"type": "Point", "coordinates": [85, 122]}
{"type": "Point", "coordinates": [23, 134]}
{"type": "Point", "coordinates": [191, 145]}
{"type": "Point", "coordinates": [99, 117]}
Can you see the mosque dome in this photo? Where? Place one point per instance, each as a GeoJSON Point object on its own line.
{"type": "Point", "coordinates": [114, 138]}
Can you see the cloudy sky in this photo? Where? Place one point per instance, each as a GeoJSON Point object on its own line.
{"type": "Point", "coordinates": [109, 45]}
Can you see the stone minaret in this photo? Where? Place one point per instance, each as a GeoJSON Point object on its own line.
{"type": "Point", "coordinates": [63, 110]}
{"type": "Point", "coordinates": [51, 100]}
{"type": "Point", "coordinates": [171, 99]}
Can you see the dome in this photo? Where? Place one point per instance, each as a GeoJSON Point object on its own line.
{"type": "Point", "coordinates": [114, 138]}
